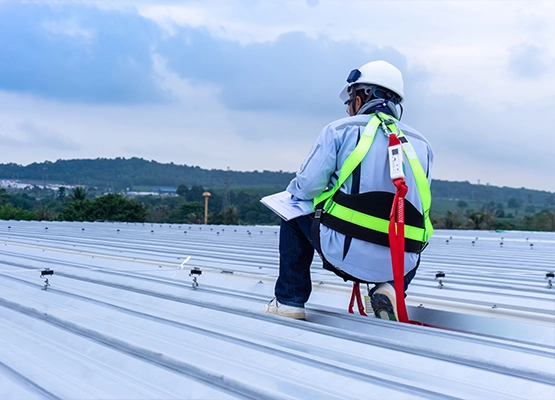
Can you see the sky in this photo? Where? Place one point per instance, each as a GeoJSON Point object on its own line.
{"type": "Point", "coordinates": [249, 84]}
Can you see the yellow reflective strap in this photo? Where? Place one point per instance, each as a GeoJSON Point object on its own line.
{"type": "Point", "coordinates": [352, 161]}
{"type": "Point", "coordinates": [421, 180]}
{"type": "Point", "coordinates": [371, 222]}
{"type": "Point", "coordinates": [425, 195]}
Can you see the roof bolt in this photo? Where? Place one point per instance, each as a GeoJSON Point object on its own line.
{"type": "Point", "coordinates": [549, 276]}
{"type": "Point", "coordinates": [195, 273]}
{"type": "Point", "coordinates": [440, 275]}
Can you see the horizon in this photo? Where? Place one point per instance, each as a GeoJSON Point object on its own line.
{"type": "Point", "coordinates": [478, 183]}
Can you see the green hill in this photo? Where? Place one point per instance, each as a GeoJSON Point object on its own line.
{"type": "Point", "coordinates": [139, 174]}
{"type": "Point", "coordinates": [120, 173]}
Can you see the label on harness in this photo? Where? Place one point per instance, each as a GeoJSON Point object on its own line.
{"type": "Point", "coordinates": [396, 162]}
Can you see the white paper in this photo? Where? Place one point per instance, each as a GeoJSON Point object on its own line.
{"type": "Point", "coordinates": [287, 208]}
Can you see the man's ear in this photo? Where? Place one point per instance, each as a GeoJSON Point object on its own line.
{"type": "Point", "coordinates": [358, 103]}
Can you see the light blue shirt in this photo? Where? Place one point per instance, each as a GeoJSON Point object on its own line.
{"type": "Point", "coordinates": [320, 170]}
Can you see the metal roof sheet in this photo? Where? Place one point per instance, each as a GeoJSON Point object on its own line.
{"type": "Point", "coordinates": [121, 318]}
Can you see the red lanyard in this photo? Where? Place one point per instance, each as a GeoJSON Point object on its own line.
{"type": "Point", "coordinates": [397, 240]}
{"type": "Point", "coordinates": [355, 295]}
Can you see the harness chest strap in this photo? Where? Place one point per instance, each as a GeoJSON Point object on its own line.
{"type": "Point", "coordinates": [378, 224]}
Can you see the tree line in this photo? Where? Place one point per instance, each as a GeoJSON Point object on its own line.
{"type": "Point", "coordinates": [233, 207]}
{"type": "Point", "coordinates": [456, 205]}
{"type": "Point", "coordinates": [543, 220]}
{"type": "Point", "coordinates": [135, 174]}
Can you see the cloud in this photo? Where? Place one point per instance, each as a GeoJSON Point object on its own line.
{"type": "Point", "coordinates": [528, 61]}
{"type": "Point", "coordinates": [26, 134]}
{"type": "Point", "coordinates": [294, 73]}
{"type": "Point", "coordinates": [236, 84]}
{"type": "Point", "coordinates": [493, 144]}
{"type": "Point", "coordinates": [69, 27]}
{"type": "Point", "coordinates": [75, 52]}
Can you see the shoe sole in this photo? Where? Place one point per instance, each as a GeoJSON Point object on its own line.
{"type": "Point", "coordinates": [301, 316]}
{"type": "Point", "coordinates": [292, 316]}
{"type": "Point", "coordinates": [382, 306]}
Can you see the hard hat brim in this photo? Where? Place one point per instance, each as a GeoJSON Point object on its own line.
{"type": "Point", "coordinates": [344, 95]}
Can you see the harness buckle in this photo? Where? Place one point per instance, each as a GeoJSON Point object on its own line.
{"type": "Point", "coordinates": [386, 131]}
{"type": "Point", "coordinates": [384, 122]}
{"type": "Point", "coordinates": [389, 121]}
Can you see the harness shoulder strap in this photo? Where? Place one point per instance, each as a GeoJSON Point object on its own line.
{"type": "Point", "coordinates": [325, 199]}
{"type": "Point", "coordinates": [353, 160]}
{"type": "Point", "coordinates": [420, 178]}
{"type": "Point", "coordinates": [422, 186]}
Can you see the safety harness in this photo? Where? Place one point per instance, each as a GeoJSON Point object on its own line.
{"type": "Point", "coordinates": [368, 216]}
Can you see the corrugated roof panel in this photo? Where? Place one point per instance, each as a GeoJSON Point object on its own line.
{"type": "Point", "coordinates": [121, 318]}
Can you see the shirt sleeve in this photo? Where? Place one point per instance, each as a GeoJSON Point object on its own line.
{"type": "Point", "coordinates": [430, 164]}
{"type": "Point", "coordinates": [314, 175]}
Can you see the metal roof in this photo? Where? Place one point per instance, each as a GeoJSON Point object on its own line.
{"type": "Point", "coordinates": [122, 319]}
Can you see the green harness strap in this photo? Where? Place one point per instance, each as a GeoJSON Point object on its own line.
{"type": "Point", "coordinates": [422, 186]}
{"type": "Point", "coordinates": [352, 161]}
{"type": "Point", "coordinates": [355, 158]}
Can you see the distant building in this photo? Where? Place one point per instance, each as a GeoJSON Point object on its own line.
{"type": "Point", "coordinates": [11, 184]}
{"type": "Point", "coordinates": [163, 192]}
{"type": "Point", "coordinates": [132, 193]}
{"type": "Point", "coordinates": [167, 191]}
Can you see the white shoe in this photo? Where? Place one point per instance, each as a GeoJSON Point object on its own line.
{"type": "Point", "coordinates": [384, 303]}
{"type": "Point", "coordinates": [275, 307]}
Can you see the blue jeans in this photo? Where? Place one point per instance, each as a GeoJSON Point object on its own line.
{"type": "Point", "coordinates": [296, 253]}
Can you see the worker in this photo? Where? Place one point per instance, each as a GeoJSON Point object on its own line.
{"type": "Point", "coordinates": [352, 247]}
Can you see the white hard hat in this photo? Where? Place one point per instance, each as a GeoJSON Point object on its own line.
{"type": "Point", "coordinates": [379, 73]}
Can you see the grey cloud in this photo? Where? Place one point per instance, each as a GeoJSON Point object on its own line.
{"type": "Point", "coordinates": [27, 135]}
{"type": "Point", "coordinates": [7, 136]}
{"type": "Point", "coordinates": [31, 135]}
{"type": "Point", "coordinates": [474, 142]}
{"type": "Point", "coordinates": [294, 73]}
{"type": "Point", "coordinates": [528, 61]}
{"type": "Point", "coordinates": [113, 64]}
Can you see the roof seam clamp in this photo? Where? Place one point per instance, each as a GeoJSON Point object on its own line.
{"type": "Point", "coordinates": [195, 273]}
{"type": "Point", "coordinates": [43, 273]}
{"type": "Point", "coordinates": [440, 275]}
{"type": "Point", "coordinates": [549, 276]}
